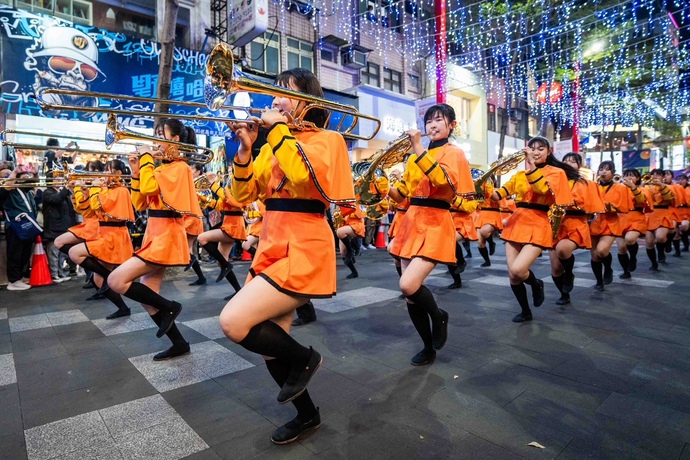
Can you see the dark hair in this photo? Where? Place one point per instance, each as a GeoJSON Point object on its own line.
{"type": "Point", "coordinates": [159, 126]}
{"type": "Point", "coordinates": [186, 134]}
{"type": "Point", "coordinates": [95, 165]}
{"type": "Point", "coordinates": [444, 110]}
{"type": "Point", "coordinates": [117, 165]}
{"type": "Point", "coordinates": [570, 172]}
{"type": "Point", "coordinates": [633, 172]}
{"type": "Point", "coordinates": [682, 176]}
{"type": "Point", "coordinates": [52, 142]}
{"type": "Point", "coordinates": [199, 167]}
{"type": "Point", "coordinates": [657, 171]}
{"type": "Point", "coordinates": [305, 82]}
{"type": "Point", "coordinates": [539, 140]}
{"type": "Point", "coordinates": [608, 164]}
{"type": "Point", "coordinates": [668, 171]}
{"type": "Point", "coordinates": [576, 156]}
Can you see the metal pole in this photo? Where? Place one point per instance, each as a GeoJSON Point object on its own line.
{"type": "Point", "coordinates": [441, 50]}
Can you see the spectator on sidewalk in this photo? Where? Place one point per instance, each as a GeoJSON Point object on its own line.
{"type": "Point", "coordinates": [58, 216]}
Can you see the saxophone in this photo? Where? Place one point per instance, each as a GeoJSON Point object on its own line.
{"type": "Point", "coordinates": [251, 213]}
{"type": "Point", "coordinates": [556, 214]}
{"type": "Point", "coordinates": [498, 168]}
{"type": "Point", "coordinates": [338, 219]}
{"type": "Point", "coordinates": [366, 174]}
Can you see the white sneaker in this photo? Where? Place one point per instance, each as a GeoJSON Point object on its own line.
{"type": "Point", "coordinates": [362, 248]}
{"type": "Point", "coordinates": [18, 286]}
{"type": "Point", "coordinates": [65, 278]}
{"type": "Point", "coordinates": [371, 246]}
{"type": "Point", "coordinates": [58, 280]}
{"type": "Point", "coordinates": [26, 280]}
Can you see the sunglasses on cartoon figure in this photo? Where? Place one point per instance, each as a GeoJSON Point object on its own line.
{"type": "Point", "coordinates": [62, 65]}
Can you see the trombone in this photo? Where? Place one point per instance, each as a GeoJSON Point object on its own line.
{"type": "Point", "coordinates": [223, 79]}
{"type": "Point", "coordinates": [34, 133]}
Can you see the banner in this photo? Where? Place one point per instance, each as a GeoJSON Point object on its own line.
{"type": "Point", "coordinates": [637, 159]}
{"type": "Point", "coordinates": [40, 52]}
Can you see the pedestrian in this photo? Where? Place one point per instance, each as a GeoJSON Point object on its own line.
{"type": "Point", "coordinates": [58, 216]}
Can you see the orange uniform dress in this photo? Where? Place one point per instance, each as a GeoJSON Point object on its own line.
{"type": "Point", "coordinates": [680, 202]}
{"type": "Point", "coordinates": [461, 210]}
{"type": "Point", "coordinates": [233, 216]}
{"type": "Point", "coordinates": [356, 221]}
{"type": "Point", "coordinates": [574, 226]}
{"type": "Point", "coordinates": [618, 200]}
{"type": "Point", "coordinates": [254, 229]}
{"type": "Point", "coordinates": [508, 207]}
{"type": "Point", "coordinates": [635, 220]}
{"type": "Point", "coordinates": [489, 212]}
{"type": "Point", "coordinates": [661, 216]}
{"type": "Point", "coordinates": [400, 210]}
{"type": "Point", "coordinates": [432, 181]}
{"type": "Point", "coordinates": [114, 208]}
{"type": "Point", "coordinates": [88, 230]}
{"type": "Point", "coordinates": [536, 191]}
{"type": "Point", "coordinates": [300, 173]}
{"type": "Point", "coordinates": [193, 226]}
{"type": "Point", "coordinates": [168, 193]}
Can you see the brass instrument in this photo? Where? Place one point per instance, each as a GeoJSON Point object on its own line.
{"type": "Point", "coordinates": [223, 79]}
{"type": "Point", "coordinates": [338, 219]}
{"type": "Point", "coordinates": [498, 168]}
{"type": "Point", "coordinates": [646, 179]}
{"type": "Point", "coordinates": [34, 133]}
{"type": "Point", "coordinates": [251, 213]}
{"type": "Point", "coordinates": [555, 214]}
{"type": "Point", "coordinates": [111, 180]}
{"type": "Point", "coordinates": [202, 183]}
{"type": "Point", "coordinates": [616, 178]}
{"type": "Point", "coordinates": [24, 183]}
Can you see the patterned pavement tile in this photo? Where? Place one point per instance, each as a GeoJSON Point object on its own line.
{"type": "Point", "coordinates": [8, 374]}
{"type": "Point", "coordinates": [208, 327]}
{"type": "Point", "coordinates": [136, 322]}
{"type": "Point", "coordinates": [27, 323]}
{"type": "Point", "coordinates": [354, 299]}
{"type": "Point", "coordinates": [3, 313]}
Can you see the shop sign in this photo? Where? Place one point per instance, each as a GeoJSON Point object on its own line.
{"type": "Point", "coordinates": [247, 19]}
{"type": "Point", "coordinates": [42, 52]}
{"type": "Point", "coordinates": [395, 126]}
{"type": "Point", "coordinates": [555, 93]}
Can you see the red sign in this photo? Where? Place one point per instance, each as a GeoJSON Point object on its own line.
{"type": "Point", "coordinates": [555, 95]}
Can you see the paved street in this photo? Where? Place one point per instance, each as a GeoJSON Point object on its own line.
{"type": "Point", "coordinates": [604, 377]}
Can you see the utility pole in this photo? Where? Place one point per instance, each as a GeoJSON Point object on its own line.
{"type": "Point", "coordinates": [441, 50]}
{"type": "Point", "coordinates": [167, 41]}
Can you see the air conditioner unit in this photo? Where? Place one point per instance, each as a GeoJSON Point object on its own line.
{"type": "Point", "coordinates": [354, 59]}
{"type": "Point", "coordinates": [516, 114]}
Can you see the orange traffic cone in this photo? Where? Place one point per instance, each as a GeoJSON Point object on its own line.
{"type": "Point", "coordinates": [246, 255]}
{"type": "Point", "coordinates": [381, 238]}
{"type": "Point", "coordinates": [40, 273]}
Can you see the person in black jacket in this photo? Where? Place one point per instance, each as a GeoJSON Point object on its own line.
{"type": "Point", "coordinates": [58, 217]}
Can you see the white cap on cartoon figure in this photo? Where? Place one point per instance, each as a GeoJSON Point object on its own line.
{"type": "Point", "coordinates": [70, 43]}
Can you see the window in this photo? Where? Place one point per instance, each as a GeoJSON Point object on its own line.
{"type": "Point", "coordinates": [329, 55]}
{"type": "Point", "coordinates": [265, 53]}
{"type": "Point", "coordinates": [300, 54]}
{"type": "Point", "coordinates": [392, 80]}
{"type": "Point", "coordinates": [371, 75]}
{"type": "Point", "coordinates": [415, 83]}
{"type": "Point", "coordinates": [491, 117]}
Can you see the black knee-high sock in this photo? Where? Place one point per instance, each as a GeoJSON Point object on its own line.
{"type": "Point", "coordinates": [490, 242]}
{"type": "Point", "coordinates": [420, 320]}
{"type": "Point", "coordinates": [632, 249]}
{"type": "Point", "coordinates": [399, 270]}
{"type": "Point", "coordinates": [232, 279]}
{"type": "Point", "coordinates": [65, 249]}
{"type": "Point", "coordinates": [532, 280]}
{"type": "Point", "coordinates": [485, 254]}
{"type": "Point", "coordinates": [520, 292]}
{"type": "Point", "coordinates": [685, 240]}
{"type": "Point", "coordinates": [303, 403]}
{"type": "Point", "coordinates": [624, 260]}
{"type": "Point", "coordinates": [143, 294]}
{"type": "Point", "coordinates": [597, 268]}
{"type": "Point", "coordinates": [669, 239]}
{"type": "Point", "coordinates": [466, 245]}
{"type": "Point", "coordinates": [252, 251]}
{"type": "Point", "coordinates": [197, 268]}
{"type": "Point", "coordinates": [116, 299]}
{"type": "Point", "coordinates": [676, 246]}
{"type": "Point", "coordinates": [455, 276]}
{"type": "Point", "coordinates": [173, 334]}
{"type": "Point", "coordinates": [651, 253]}
{"type": "Point", "coordinates": [459, 256]}
{"type": "Point", "coordinates": [568, 264]}
{"type": "Point", "coordinates": [92, 264]}
{"type": "Point", "coordinates": [607, 261]}
{"type": "Point", "coordinates": [425, 299]}
{"type": "Point", "coordinates": [661, 251]}
{"type": "Point", "coordinates": [351, 266]}
{"type": "Point", "coordinates": [558, 281]}
{"type": "Point", "coordinates": [347, 242]}
{"type": "Point", "coordinates": [269, 339]}
{"type": "Point", "coordinates": [213, 251]}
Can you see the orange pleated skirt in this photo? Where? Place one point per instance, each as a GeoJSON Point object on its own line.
{"type": "Point", "coordinates": [528, 226]}
{"type": "Point", "coordinates": [233, 227]}
{"type": "Point", "coordinates": [464, 225]}
{"type": "Point", "coordinates": [683, 213]}
{"type": "Point", "coordinates": [428, 233]}
{"type": "Point", "coordinates": [255, 228]}
{"type": "Point", "coordinates": [575, 229]}
{"type": "Point", "coordinates": [357, 226]}
{"type": "Point", "coordinates": [606, 224]}
{"type": "Point", "coordinates": [296, 254]}
{"type": "Point", "coordinates": [113, 247]}
{"type": "Point", "coordinates": [87, 230]}
{"type": "Point", "coordinates": [165, 242]}
{"type": "Point", "coordinates": [193, 226]}
{"type": "Point", "coordinates": [395, 225]}
{"type": "Point", "coordinates": [659, 218]}
{"type": "Point", "coordinates": [491, 216]}
{"type": "Point", "coordinates": [633, 221]}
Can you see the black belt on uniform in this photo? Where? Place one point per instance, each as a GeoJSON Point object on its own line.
{"type": "Point", "coordinates": [658, 206]}
{"type": "Point", "coordinates": [112, 224]}
{"type": "Point", "coordinates": [400, 210]}
{"type": "Point", "coordinates": [639, 210]}
{"type": "Point", "coordinates": [430, 203]}
{"type": "Point", "coordinates": [534, 206]}
{"type": "Point", "coordinates": [164, 213]}
{"type": "Point", "coordinates": [231, 213]}
{"type": "Point", "coordinates": [295, 205]}
{"type": "Point", "coordinates": [491, 209]}
{"type": "Point", "coordinates": [575, 212]}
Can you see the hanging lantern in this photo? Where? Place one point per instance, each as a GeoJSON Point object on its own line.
{"type": "Point", "coordinates": [555, 95]}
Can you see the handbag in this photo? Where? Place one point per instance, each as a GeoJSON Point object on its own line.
{"type": "Point", "coordinates": [24, 225]}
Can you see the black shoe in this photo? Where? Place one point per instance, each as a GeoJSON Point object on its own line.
{"type": "Point", "coordinates": [599, 286]}
{"type": "Point", "coordinates": [96, 296]}
{"type": "Point", "coordinates": [297, 381]}
{"type": "Point", "coordinates": [104, 288]}
{"type": "Point", "coordinates": [676, 254]}
{"type": "Point", "coordinates": [492, 247]}
{"type": "Point", "coordinates": [522, 317]}
{"type": "Point", "coordinates": [633, 265]}
{"type": "Point", "coordinates": [292, 430]}
{"type": "Point", "coordinates": [119, 314]}
{"type": "Point", "coordinates": [685, 249]}
{"type": "Point", "coordinates": [426, 356]}
{"type": "Point", "coordinates": [439, 333]}
{"type": "Point", "coordinates": [538, 294]}
{"type": "Point", "coordinates": [228, 297]}
{"type": "Point", "coordinates": [401, 296]}
{"type": "Point", "coordinates": [468, 255]}
{"type": "Point", "coordinates": [172, 352]}
{"type": "Point", "coordinates": [625, 276]}
{"type": "Point", "coordinates": [352, 275]}
{"type": "Point", "coordinates": [88, 285]}
{"type": "Point", "coordinates": [198, 282]}
{"type": "Point", "coordinates": [303, 321]}
{"type": "Point", "coordinates": [459, 268]}
{"type": "Point", "coordinates": [564, 300]}
{"type": "Point", "coordinates": [73, 273]}
{"type": "Point", "coordinates": [608, 276]}
{"type": "Point", "coordinates": [168, 319]}
{"type": "Point", "coordinates": [224, 272]}
{"type": "Point", "coordinates": [486, 264]}
{"type": "Point", "coordinates": [654, 268]}
{"type": "Point", "coordinates": [455, 285]}
{"type": "Point", "coordinates": [568, 283]}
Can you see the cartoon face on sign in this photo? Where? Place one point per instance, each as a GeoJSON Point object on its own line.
{"type": "Point", "coordinates": [67, 59]}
